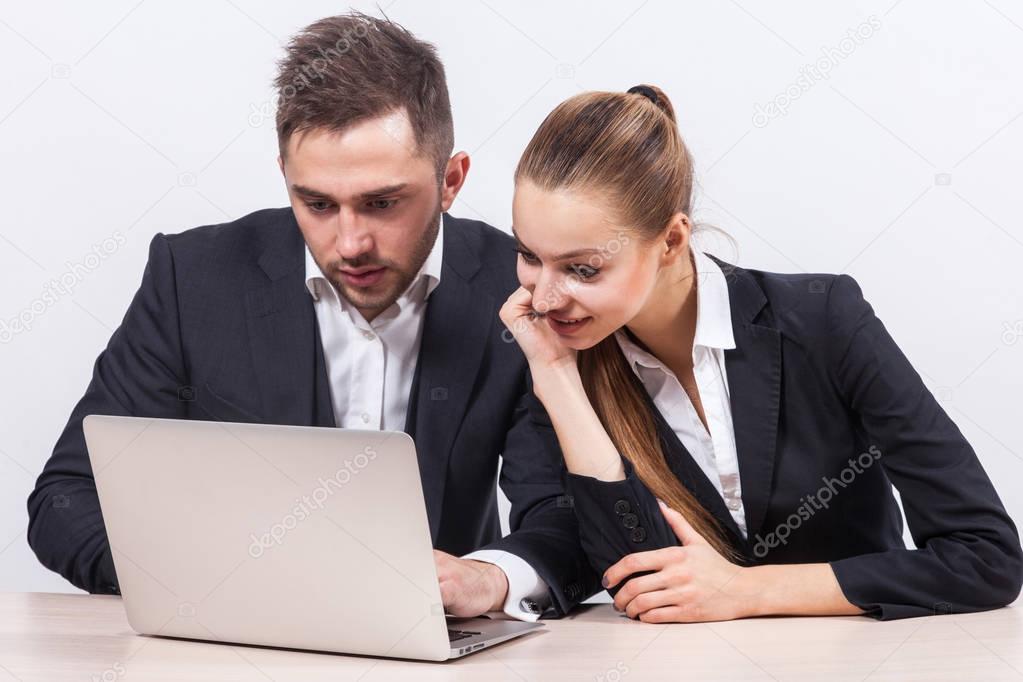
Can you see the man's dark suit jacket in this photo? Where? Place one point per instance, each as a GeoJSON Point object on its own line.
{"type": "Point", "coordinates": [223, 328]}
{"type": "Point", "coordinates": [814, 381]}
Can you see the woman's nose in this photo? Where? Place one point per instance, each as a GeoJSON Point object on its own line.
{"type": "Point", "coordinates": [548, 294]}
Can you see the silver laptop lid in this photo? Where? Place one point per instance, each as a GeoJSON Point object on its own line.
{"type": "Point", "coordinates": [304, 537]}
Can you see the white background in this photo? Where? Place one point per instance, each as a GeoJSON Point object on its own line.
{"type": "Point", "coordinates": [119, 120]}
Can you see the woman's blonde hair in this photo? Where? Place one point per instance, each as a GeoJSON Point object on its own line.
{"type": "Point", "coordinates": [626, 148]}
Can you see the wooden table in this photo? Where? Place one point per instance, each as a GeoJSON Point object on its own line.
{"type": "Point", "coordinates": [55, 637]}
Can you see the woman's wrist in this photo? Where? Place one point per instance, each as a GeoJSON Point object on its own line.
{"type": "Point", "coordinates": [585, 445]}
{"type": "Point", "coordinates": [754, 586]}
{"type": "Point", "coordinates": [793, 589]}
{"type": "Point", "coordinates": [555, 381]}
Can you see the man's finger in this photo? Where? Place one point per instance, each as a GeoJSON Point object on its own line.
{"type": "Point", "coordinates": [448, 593]}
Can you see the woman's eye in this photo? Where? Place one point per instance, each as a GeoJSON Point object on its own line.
{"type": "Point", "coordinates": [528, 257]}
{"type": "Point", "coordinates": [583, 271]}
{"type": "Point", "coordinates": [318, 206]}
{"type": "Point", "coordinates": [382, 204]}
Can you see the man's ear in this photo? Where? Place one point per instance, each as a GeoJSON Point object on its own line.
{"type": "Point", "coordinates": [280, 163]}
{"type": "Point", "coordinates": [454, 177]}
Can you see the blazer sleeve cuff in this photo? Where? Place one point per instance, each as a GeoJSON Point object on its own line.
{"type": "Point", "coordinates": [617, 518]}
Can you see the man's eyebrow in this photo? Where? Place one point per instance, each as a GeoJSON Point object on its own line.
{"type": "Point", "coordinates": [565, 256]}
{"type": "Point", "coordinates": [309, 191]}
{"type": "Point", "coordinates": [373, 193]}
{"type": "Point", "coordinates": [384, 191]}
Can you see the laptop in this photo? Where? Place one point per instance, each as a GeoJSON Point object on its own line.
{"type": "Point", "coordinates": [285, 536]}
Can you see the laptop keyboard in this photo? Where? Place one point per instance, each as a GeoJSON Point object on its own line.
{"type": "Point", "coordinates": [455, 635]}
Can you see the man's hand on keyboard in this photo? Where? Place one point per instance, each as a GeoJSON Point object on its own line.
{"type": "Point", "coordinates": [470, 588]}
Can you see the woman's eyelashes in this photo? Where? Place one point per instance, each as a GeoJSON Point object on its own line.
{"type": "Point", "coordinates": [584, 272]}
{"type": "Point", "coordinates": [527, 256]}
{"type": "Point", "coordinates": [580, 270]}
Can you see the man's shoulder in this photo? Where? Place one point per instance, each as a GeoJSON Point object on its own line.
{"type": "Point", "coordinates": [490, 238]}
{"type": "Point", "coordinates": [493, 248]}
{"type": "Point", "coordinates": [244, 238]}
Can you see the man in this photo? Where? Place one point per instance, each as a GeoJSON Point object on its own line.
{"type": "Point", "coordinates": [364, 305]}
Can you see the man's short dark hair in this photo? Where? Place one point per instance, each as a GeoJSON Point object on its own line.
{"type": "Point", "coordinates": [342, 70]}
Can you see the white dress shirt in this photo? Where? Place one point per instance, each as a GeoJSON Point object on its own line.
{"type": "Point", "coordinates": [370, 366]}
{"type": "Point", "coordinates": [714, 452]}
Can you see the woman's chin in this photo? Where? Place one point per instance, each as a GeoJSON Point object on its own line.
{"type": "Point", "coordinates": [583, 342]}
{"type": "Point", "coordinates": [576, 344]}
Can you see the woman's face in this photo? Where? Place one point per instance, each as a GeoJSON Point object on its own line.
{"type": "Point", "coordinates": [588, 275]}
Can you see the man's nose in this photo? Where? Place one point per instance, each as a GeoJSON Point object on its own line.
{"type": "Point", "coordinates": [353, 238]}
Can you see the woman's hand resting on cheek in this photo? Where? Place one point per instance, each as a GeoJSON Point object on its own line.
{"type": "Point", "coordinates": [539, 343]}
{"type": "Point", "coordinates": [692, 583]}
{"type": "Point", "coordinates": [556, 382]}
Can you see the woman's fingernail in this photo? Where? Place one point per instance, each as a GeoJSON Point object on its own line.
{"type": "Point", "coordinates": [605, 582]}
{"type": "Point", "coordinates": [661, 503]}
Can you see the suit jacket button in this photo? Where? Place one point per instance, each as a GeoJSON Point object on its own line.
{"type": "Point", "coordinates": [638, 534]}
{"type": "Point", "coordinates": [630, 520]}
{"type": "Point", "coordinates": [622, 507]}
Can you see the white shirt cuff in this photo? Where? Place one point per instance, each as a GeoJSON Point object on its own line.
{"type": "Point", "coordinates": [528, 595]}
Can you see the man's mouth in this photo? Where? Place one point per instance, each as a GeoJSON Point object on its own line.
{"type": "Point", "coordinates": [363, 277]}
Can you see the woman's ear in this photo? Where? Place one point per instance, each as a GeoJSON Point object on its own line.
{"type": "Point", "coordinates": [676, 238]}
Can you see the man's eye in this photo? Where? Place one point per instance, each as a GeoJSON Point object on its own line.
{"type": "Point", "coordinates": [583, 271]}
{"type": "Point", "coordinates": [381, 204]}
{"type": "Point", "coordinates": [528, 257]}
{"type": "Point", "coordinates": [318, 206]}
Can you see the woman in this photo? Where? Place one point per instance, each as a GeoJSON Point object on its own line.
{"type": "Point", "coordinates": [731, 436]}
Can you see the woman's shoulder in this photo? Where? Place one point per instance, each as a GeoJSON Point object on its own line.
{"type": "Point", "coordinates": [813, 304]}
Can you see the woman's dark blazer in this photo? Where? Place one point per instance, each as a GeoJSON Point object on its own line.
{"type": "Point", "coordinates": [829, 415]}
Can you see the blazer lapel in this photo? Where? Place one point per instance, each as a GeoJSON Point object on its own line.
{"type": "Point", "coordinates": [458, 321]}
{"type": "Point", "coordinates": [283, 335]}
{"type": "Point", "coordinates": [754, 370]}
{"type": "Point", "coordinates": [689, 473]}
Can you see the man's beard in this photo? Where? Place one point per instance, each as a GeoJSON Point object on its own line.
{"type": "Point", "coordinates": [371, 302]}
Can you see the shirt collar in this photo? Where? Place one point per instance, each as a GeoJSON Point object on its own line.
{"type": "Point", "coordinates": [316, 283]}
{"type": "Point", "coordinates": [713, 310]}
{"type": "Point", "coordinates": [713, 314]}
